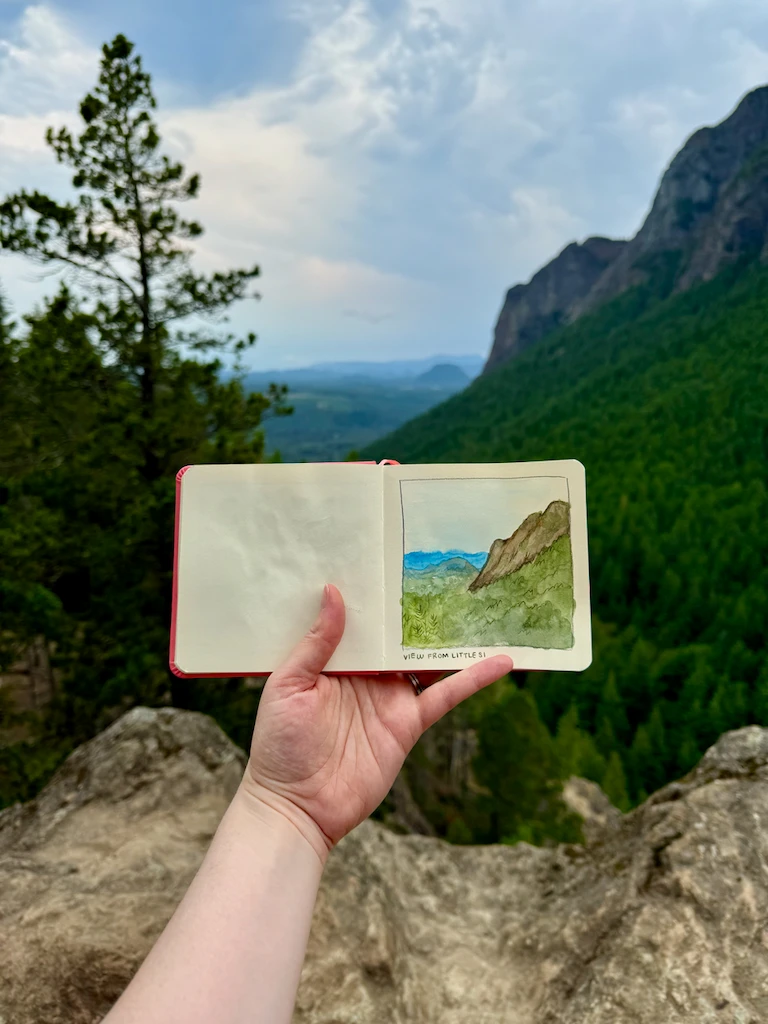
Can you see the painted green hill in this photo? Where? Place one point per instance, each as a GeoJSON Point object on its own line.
{"type": "Point", "coordinates": [665, 402]}
{"type": "Point", "coordinates": [532, 607]}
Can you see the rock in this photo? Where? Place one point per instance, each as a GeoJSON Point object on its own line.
{"type": "Point", "coordinates": [596, 811]}
{"type": "Point", "coordinates": [662, 916]}
{"type": "Point", "coordinates": [534, 309]}
{"type": "Point", "coordinates": [711, 207]}
{"type": "Point", "coordinates": [91, 871]}
{"type": "Point", "coordinates": [28, 685]}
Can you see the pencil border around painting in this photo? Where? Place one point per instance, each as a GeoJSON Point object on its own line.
{"type": "Point", "coordinates": [403, 480]}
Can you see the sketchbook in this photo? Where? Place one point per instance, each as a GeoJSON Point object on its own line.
{"type": "Point", "coordinates": [438, 565]}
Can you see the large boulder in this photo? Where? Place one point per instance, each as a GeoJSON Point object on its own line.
{"type": "Point", "coordinates": [662, 917]}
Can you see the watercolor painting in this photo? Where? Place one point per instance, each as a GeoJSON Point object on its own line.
{"type": "Point", "coordinates": [487, 562]}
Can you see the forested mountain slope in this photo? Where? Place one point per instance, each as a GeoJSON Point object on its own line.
{"type": "Point", "coordinates": [665, 401]}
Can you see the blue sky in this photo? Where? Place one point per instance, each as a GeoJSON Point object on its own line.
{"type": "Point", "coordinates": [392, 166]}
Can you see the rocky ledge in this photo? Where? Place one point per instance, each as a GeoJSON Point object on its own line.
{"type": "Point", "coordinates": [661, 917]}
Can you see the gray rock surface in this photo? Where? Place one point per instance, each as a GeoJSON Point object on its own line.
{"type": "Point", "coordinates": [711, 206]}
{"type": "Point", "coordinates": [662, 917]}
{"type": "Point", "coordinates": [597, 813]}
{"type": "Point", "coordinates": [532, 310]}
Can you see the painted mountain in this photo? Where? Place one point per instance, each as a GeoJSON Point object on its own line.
{"type": "Point", "coordinates": [453, 572]}
{"type": "Point", "coordinates": [537, 533]}
{"type": "Point", "coordinates": [518, 595]}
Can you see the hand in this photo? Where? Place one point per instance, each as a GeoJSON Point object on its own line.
{"type": "Point", "coordinates": [326, 749]}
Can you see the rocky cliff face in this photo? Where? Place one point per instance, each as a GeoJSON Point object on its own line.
{"type": "Point", "coordinates": [660, 917]}
{"type": "Point", "coordinates": [532, 310]}
{"type": "Point", "coordinates": [711, 209]}
{"type": "Point", "coordinates": [535, 534]}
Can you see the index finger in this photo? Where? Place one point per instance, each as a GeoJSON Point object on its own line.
{"type": "Point", "coordinates": [437, 700]}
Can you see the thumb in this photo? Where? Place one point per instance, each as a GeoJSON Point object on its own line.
{"type": "Point", "coordinates": [307, 660]}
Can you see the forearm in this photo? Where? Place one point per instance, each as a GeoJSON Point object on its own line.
{"type": "Point", "coordinates": [233, 950]}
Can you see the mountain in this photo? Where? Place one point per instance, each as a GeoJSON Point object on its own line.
{"type": "Point", "coordinates": [391, 371]}
{"type": "Point", "coordinates": [535, 534]}
{"type": "Point", "coordinates": [339, 407]}
{"type": "Point", "coordinates": [446, 376]}
{"type": "Point", "coordinates": [449, 567]}
{"type": "Point", "coordinates": [711, 210]}
{"type": "Point", "coordinates": [431, 559]}
{"type": "Point", "coordinates": [662, 397]}
{"type": "Point", "coordinates": [532, 310]}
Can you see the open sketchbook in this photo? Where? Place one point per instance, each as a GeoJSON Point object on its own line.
{"type": "Point", "coordinates": [438, 565]}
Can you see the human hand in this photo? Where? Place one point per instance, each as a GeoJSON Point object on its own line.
{"type": "Point", "coordinates": [326, 748]}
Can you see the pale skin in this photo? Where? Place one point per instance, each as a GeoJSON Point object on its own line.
{"type": "Point", "coordinates": [325, 752]}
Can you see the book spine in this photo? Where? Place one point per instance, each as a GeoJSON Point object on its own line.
{"type": "Point", "coordinates": [175, 586]}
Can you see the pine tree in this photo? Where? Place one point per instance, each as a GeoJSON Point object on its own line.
{"type": "Point", "coordinates": [612, 708]}
{"type": "Point", "coordinates": [517, 763]}
{"type": "Point", "coordinates": [614, 783]}
{"type": "Point", "coordinates": [575, 749]}
{"type": "Point", "coordinates": [111, 397]}
{"type": "Point", "coordinates": [122, 237]}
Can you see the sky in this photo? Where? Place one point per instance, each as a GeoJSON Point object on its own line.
{"type": "Point", "coordinates": [393, 166]}
{"type": "Point", "coordinates": [469, 515]}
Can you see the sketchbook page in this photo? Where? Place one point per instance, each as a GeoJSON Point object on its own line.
{"type": "Point", "coordinates": [486, 559]}
{"type": "Point", "coordinates": [257, 544]}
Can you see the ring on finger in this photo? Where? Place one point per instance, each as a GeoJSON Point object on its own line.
{"type": "Point", "coordinates": [415, 683]}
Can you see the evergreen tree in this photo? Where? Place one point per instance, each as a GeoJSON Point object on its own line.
{"type": "Point", "coordinates": [517, 763]}
{"type": "Point", "coordinates": [575, 750]}
{"type": "Point", "coordinates": [110, 397]}
{"type": "Point", "coordinates": [612, 708]}
{"type": "Point", "coordinates": [123, 238]}
{"type": "Point", "coordinates": [614, 783]}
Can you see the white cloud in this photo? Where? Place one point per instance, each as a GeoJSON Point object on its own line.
{"type": "Point", "coordinates": [655, 122]}
{"type": "Point", "coordinates": [747, 62]}
{"type": "Point", "coordinates": [46, 67]}
{"type": "Point", "coordinates": [424, 155]}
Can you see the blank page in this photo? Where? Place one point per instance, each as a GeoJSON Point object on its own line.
{"type": "Point", "coordinates": [256, 545]}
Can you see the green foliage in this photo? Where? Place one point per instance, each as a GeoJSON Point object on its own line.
{"type": "Point", "coordinates": [518, 764]}
{"type": "Point", "coordinates": [328, 422]}
{"type": "Point", "coordinates": [663, 398]}
{"type": "Point", "coordinates": [614, 782]}
{"type": "Point", "coordinates": [27, 765]}
{"type": "Point", "coordinates": [102, 400]}
{"type": "Point", "coordinates": [576, 750]}
{"type": "Point", "coordinates": [532, 607]}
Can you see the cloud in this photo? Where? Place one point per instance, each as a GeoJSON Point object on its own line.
{"type": "Point", "coordinates": [46, 67]}
{"type": "Point", "coordinates": [420, 157]}
{"type": "Point", "coordinates": [365, 316]}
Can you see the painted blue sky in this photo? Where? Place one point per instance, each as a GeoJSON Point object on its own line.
{"type": "Point", "coordinates": [393, 166]}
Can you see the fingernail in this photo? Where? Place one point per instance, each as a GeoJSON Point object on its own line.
{"type": "Point", "coordinates": [326, 596]}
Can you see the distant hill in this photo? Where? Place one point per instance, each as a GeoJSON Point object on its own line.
{"type": "Point", "coordinates": [446, 376]}
{"type": "Point", "coordinates": [453, 566]}
{"type": "Point", "coordinates": [711, 210]}
{"type": "Point", "coordinates": [340, 407]}
{"type": "Point", "coordinates": [393, 370]}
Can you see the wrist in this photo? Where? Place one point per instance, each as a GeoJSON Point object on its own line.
{"type": "Point", "coordinates": [282, 816]}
